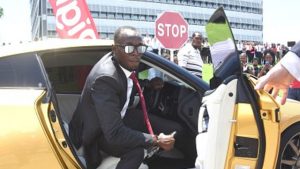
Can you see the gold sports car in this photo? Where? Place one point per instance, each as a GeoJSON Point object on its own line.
{"type": "Point", "coordinates": [236, 127]}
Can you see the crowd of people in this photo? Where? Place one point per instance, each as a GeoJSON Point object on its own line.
{"type": "Point", "coordinates": [259, 51]}
{"type": "Point", "coordinates": [253, 50]}
{"type": "Point", "coordinates": [256, 58]}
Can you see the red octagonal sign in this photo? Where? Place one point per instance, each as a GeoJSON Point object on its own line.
{"type": "Point", "coordinates": [171, 30]}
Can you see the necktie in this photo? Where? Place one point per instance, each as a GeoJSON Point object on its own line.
{"type": "Point", "coordinates": [143, 103]}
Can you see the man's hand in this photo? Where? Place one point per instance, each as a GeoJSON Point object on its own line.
{"type": "Point", "coordinates": [166, 142]}
{"type": "Point", "coordinates": [277, 78]}
{"type": "Point", "coordinates": [156, 83]}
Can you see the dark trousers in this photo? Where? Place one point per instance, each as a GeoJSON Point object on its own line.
{"type": "Point", "coordinates": [132, 158]}
{"type": "Point", "coordinates": [294, 93]}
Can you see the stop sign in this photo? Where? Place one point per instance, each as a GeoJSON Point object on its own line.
{"type": "Point", "coordinates": [171, 30]}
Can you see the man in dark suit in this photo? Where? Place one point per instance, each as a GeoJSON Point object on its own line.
{"type": "Point", "coordinates": [282, 74]}
{"type": "Point", "coordinates": [102, 120]}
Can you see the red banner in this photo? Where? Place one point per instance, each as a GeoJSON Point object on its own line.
{"type": "Point", "coordinates": [73, 19]}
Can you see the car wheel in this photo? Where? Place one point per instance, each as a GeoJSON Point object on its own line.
{"type": "Point", "coordinates": [289, 153]}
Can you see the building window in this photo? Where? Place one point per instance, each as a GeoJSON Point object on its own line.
{"type": "Point", "coordinates": [134, 17]}
{"type": "Point", "coordinates": [50, 12]}
{"type": "Point", "coordinates": [95, 14]}
{"type": "Point", "coordinates": [143, 17]}
{"type": "Point", "coordinates": [119, 16]}
{"type": "Point", "coordinates": [103, 15]}
{"type": "Point", "coordinates": [127, 16]}
{"type": "Point", "coordinates": [111, 16]}
{"type": "Point", "coordinates": [110, 35]}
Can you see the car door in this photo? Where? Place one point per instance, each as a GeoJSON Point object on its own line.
{"type": "Point", "coordinates": [25, 139]}
{"type": "Point", "coordinates": [233, 116]}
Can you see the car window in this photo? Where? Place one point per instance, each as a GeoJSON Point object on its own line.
{"type": "Point", "coordinates": [21, 71]}
{"type": "Point", "coordinates": [155, 71]}
{"type": "Point", "coordinates": [67, 70]}
{"type": "Point", "coordinates": [176, 100]}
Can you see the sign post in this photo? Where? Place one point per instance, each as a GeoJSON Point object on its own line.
{"type": "Point", "coordinates": [171, 30]}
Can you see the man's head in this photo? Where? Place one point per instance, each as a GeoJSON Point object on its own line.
{"type": "Point", "coordinates": [255, 62]}
{"type": "Point", "coordinates": [243, 58]}
{"type": "Point", "coordinates": [197, 40]}
{"type": "Point", "coordinates": [268, 58]}
{"type": "Point", "coordinates": [128, 47]}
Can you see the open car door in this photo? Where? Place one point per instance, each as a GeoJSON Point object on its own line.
{"type": "Point", "coordinates": [232, 123]}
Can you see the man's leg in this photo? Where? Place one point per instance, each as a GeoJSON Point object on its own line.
{"type": "Point", "coordinates": [298, 94]}
{"type": "Point", "coordinates": [292, 94]}
{"type": "Point", "coordinates": [130, 158]}
{"type": "Point", "coordinates": [92, 156]}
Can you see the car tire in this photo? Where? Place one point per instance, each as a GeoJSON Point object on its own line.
{"type": "Point", "coordinates": [289, 152]}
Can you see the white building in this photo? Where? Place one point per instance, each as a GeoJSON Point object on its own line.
{"type": "Point", "coordinates": [245, 16]}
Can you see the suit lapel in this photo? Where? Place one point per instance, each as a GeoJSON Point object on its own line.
{"type": "Point", "coordinates": [123, 80]}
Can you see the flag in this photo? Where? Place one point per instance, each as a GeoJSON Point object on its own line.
{"type": "Point", "coordinates": [73, 19]}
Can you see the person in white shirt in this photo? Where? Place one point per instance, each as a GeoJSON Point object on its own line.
{"type": "Point", "coordinates": [189, 56]}
{"type": "Point", "coordinates": [240, 46]}
{"type": "Point", "coordinates": [282, 74]}
{"type": "Point", "coordinates": [244, 64]}
{"type": "Point", "coordinates": [155, 45]}
{"type": "Point", "coordinates": [147, 40]}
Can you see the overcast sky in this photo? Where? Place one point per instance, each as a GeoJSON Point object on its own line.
{"type": "Point", "coordinates": [15, 23]}
{"type": "Point", "coordinates": [280, 21]}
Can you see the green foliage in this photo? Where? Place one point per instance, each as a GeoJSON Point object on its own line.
{"type": "Point", "coordinates": [218, 32]}
{"type": "Point", "coordinates": [143, 74]}
{"type": "Point", "coordinates": [207, 72]}
{"type": "Point", "coordinates": [1, 11]}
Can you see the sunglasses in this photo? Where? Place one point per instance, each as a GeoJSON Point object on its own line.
{"type": "Point", "coordinates": [130, 48]}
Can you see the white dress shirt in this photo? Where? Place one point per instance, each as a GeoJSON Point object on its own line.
{"type": "Point", "coordinates": [292, 63]}
{"type": "Point", "coordinates": [190, 58]}
{"type": "Point", "coordinates": [129, 90]}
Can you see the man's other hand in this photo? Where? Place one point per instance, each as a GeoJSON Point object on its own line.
{"type": "Point", "coordinates": [166, 142]}
{"type": "Point", "coordinates": [277, 78]}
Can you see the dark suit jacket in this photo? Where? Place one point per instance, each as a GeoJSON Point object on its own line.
{"type": "Point", "coordinates": [98, 112]}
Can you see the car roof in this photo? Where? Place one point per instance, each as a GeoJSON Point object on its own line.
{"type": "Point", "coordinates": [51, 44]}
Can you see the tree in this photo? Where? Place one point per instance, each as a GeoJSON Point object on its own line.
{"type": "Point", "coordinates": [1, 11]}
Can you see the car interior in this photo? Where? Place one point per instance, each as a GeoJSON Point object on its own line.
{"type": "Point", "coordinates": [177, 100]}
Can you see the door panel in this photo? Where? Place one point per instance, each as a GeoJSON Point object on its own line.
{"type": "Point", "coordinates": [23, 141]}
{"type": "Point", "coordinates": [57, 137]}
{"type": "Point", "coordinates": [270, 115]}
{"type": "Point", "coordinates": [212, 145]}
{"type": "Point", "coordinates": [244, 142]}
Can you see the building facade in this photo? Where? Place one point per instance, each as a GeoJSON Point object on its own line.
{"type": "Point", "coordinates": [245, 16]}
